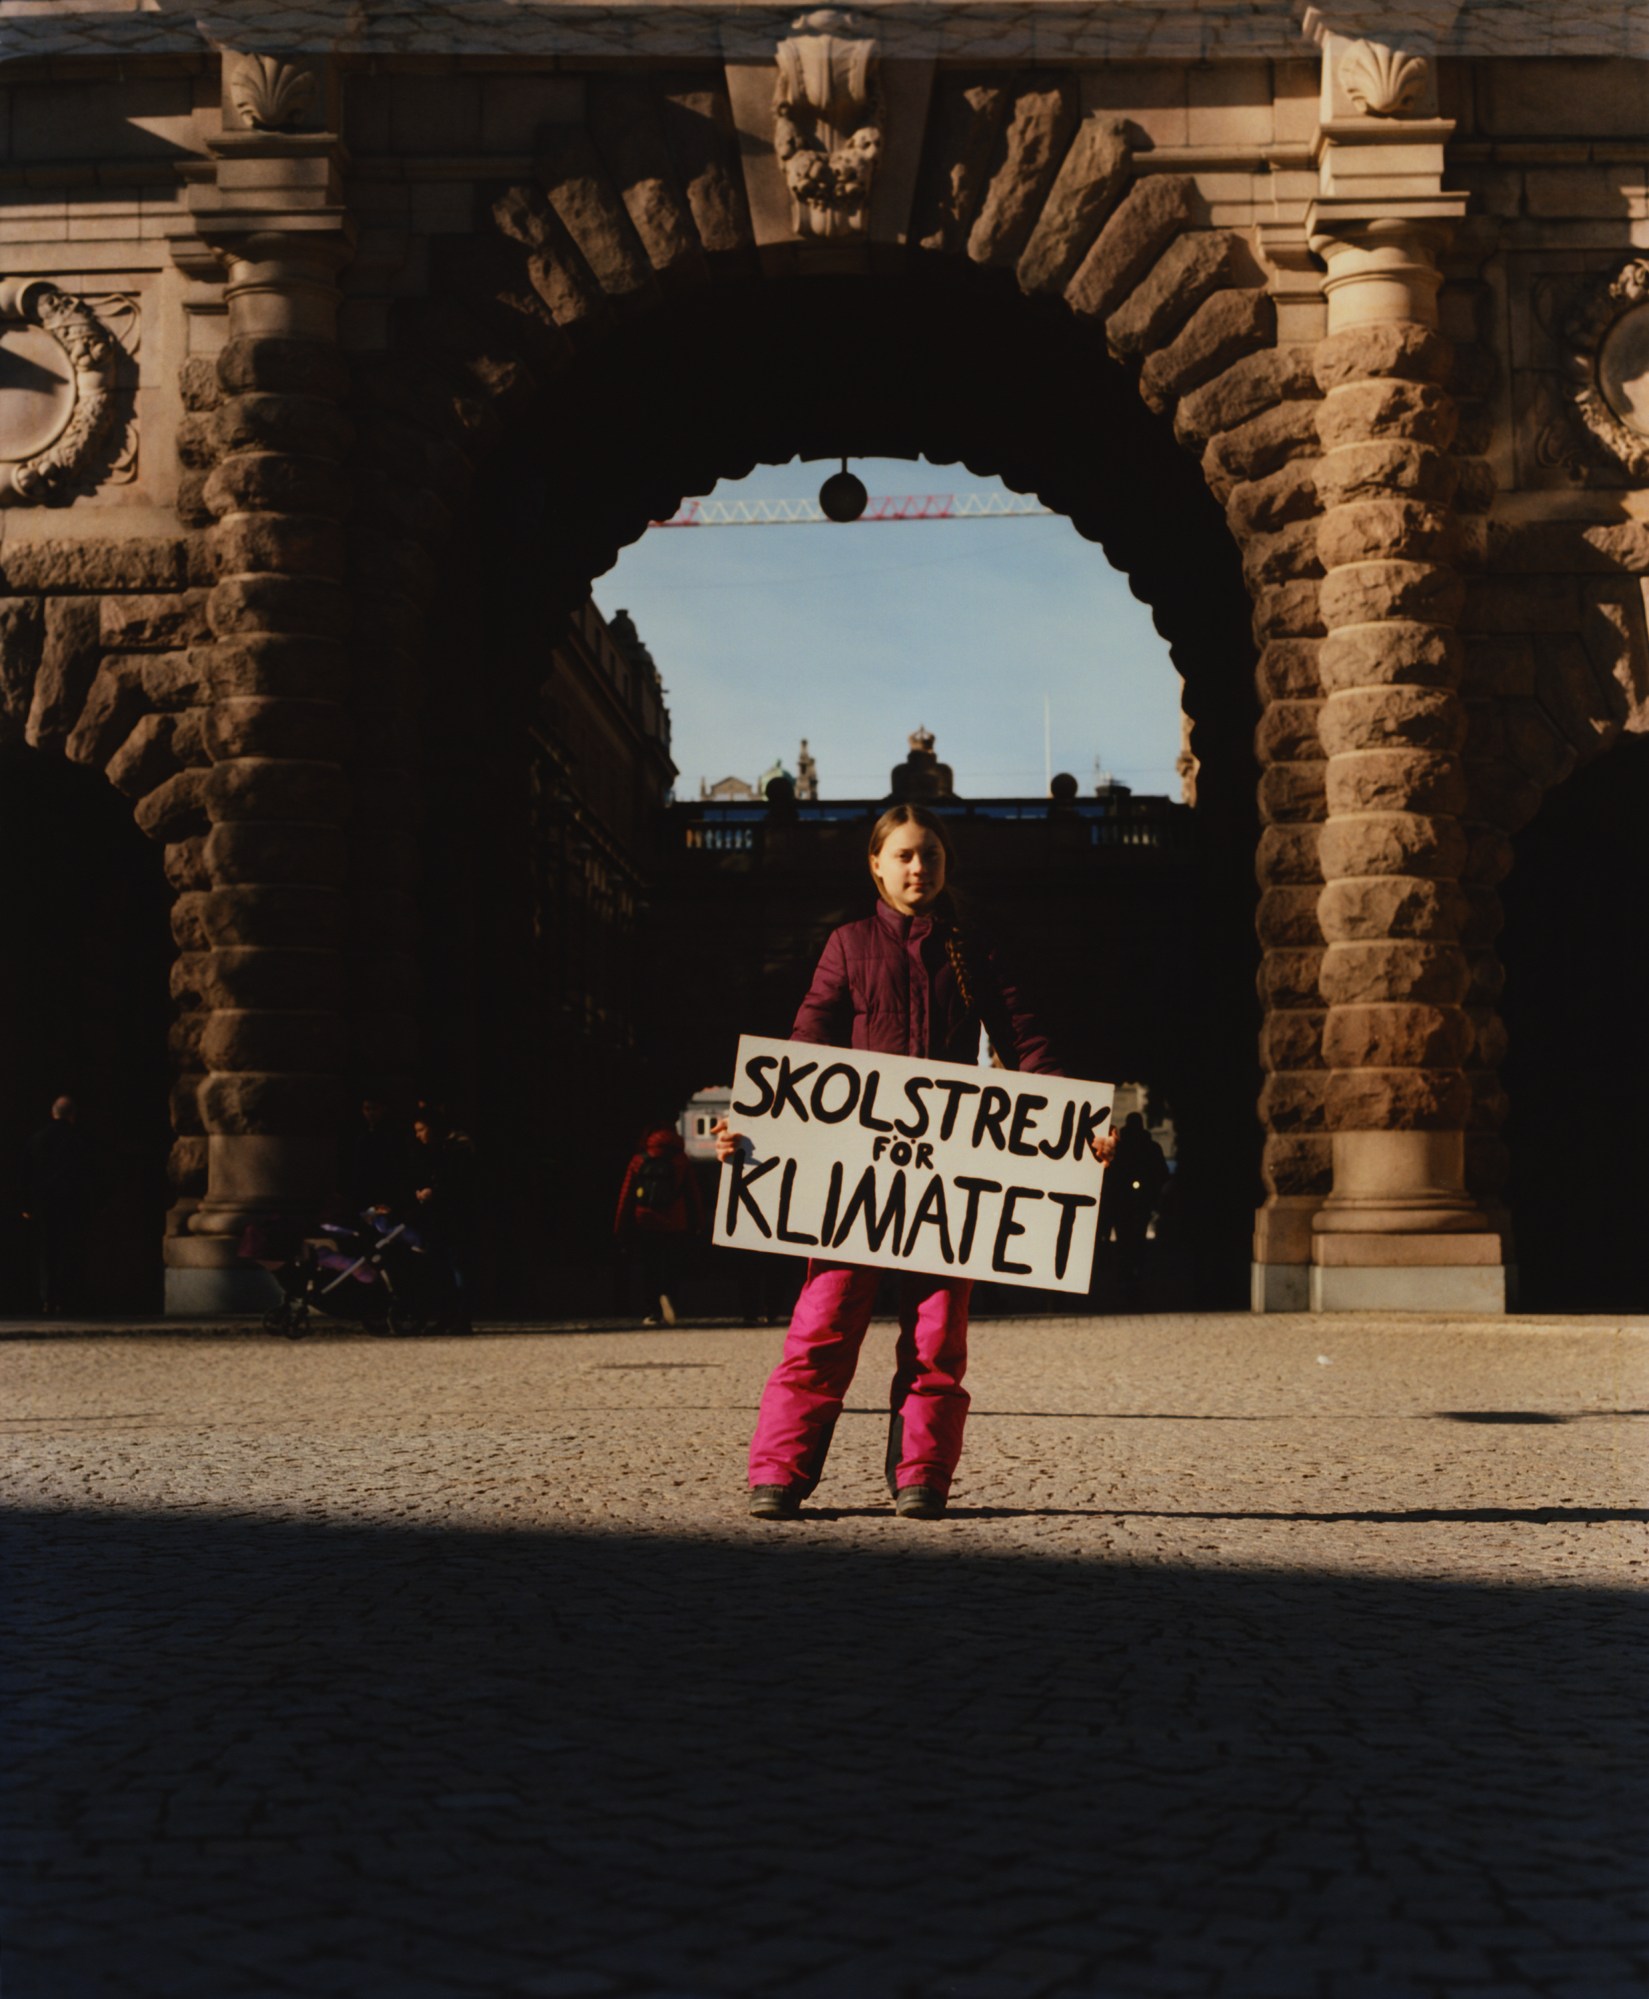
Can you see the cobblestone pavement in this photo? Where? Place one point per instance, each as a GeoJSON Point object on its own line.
{"type": "Point", "coordinates": [1258, 1657]}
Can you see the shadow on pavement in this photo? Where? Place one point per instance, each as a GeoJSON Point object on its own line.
{"type": "Point", "coordinates": [1539, 1516]}
{"type": "Point", "coordinates": [263, 1757]}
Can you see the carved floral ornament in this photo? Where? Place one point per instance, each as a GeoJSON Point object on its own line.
{"type": "Point", "coordinates": [269, 94]}
{"type": "Point", "coordinates": [827, 122]}
{"type": "Point", "coordinates": [1607, 334]}
{"type": "Point", "coordinates": [59, 402]}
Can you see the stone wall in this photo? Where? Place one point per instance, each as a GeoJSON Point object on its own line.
{"type": "Point", "coordinates": [1382, 295]}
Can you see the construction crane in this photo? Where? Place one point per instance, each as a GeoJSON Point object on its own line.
{"type": "Point", "coordinates": [804, 513]}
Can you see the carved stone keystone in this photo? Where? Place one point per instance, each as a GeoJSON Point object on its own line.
{"type": "Point", "coordinates": [827, 122]}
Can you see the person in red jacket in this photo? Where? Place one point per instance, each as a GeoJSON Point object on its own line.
{"type": "Point", "coordinates": [902, 981]}
{"type": "Point", "coordinates": [659, 1208]}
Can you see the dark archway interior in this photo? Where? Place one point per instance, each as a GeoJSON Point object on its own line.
{"type": "Point", "coordinates": [84, 910]}
{"type": "Point", "coordinates": [1574, 1007]}
{"type": "Point", "coordinates": [937, 360]}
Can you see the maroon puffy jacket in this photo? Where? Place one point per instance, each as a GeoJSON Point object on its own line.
{"type": "Point", "coordinates": [885, 984]}
{"type": "Point", "coordinates": [681, 1212]}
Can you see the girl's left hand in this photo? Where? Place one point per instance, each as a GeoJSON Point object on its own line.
{"type": "Point", "coordinates": [1105, 1148]}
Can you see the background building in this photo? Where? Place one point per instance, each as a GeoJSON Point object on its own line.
{"type": "Point", "coordinates": [734, 790]}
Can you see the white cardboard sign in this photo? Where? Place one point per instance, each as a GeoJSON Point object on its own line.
{"type": "Point", "coordinates": [907, 1164]}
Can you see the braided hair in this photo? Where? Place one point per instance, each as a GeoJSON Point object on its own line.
{"type": "Point", "coordinates": [956, 948]}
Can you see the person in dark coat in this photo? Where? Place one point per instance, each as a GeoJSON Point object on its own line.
{"type": "Point", "coordinates": [660, 1210]}
{"type": "Point", "coordinates": [441, 1168]}
{"type": "Point", "coordinates": [57, 1195]}
{"type": "Point", "coordinates": [1129, 1198]}
{"type": "Point", "coordinates": [905, 980]}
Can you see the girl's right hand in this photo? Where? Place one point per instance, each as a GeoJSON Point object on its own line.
{"type": "Point", "coordinates": [727, 1142]}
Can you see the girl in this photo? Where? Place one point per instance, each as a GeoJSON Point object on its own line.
{"type": "Point", "coordinates": [902, 981]}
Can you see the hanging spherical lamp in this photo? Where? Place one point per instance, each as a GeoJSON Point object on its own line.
{"type": "Point", "coordinates": [843, 496]}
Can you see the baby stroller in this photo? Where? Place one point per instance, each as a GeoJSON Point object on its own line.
{"type": "Point", "coordinates": [377, 1272]}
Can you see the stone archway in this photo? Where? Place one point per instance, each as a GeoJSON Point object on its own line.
{"type": "Point", "coordinates": [96, 683]}
{"type": "Point", "coordinates": [83, 909]}
{"type": "Point", "coordinates": [642, 200]}
{"type": "Point", "coordinates": [1578, 1179]}
{"type": "Point", "coordinates": [665, 405]}
{"type": "Point", "coordinates": [1335, 462]}
{"type": "Point", "coordinates": [891, 362]}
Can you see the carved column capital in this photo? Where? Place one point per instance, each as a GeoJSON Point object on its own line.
{"type": "Point", "coordinates": [270, 210]}
{"type": "Point", "coordinates": [278, 282]}
{"type": "Point", "coordinates": [1381, 216]}
{"type": "Point", "coordinates": [283, 282]}
{"type": "Point", "coordinates": [1382, 266]}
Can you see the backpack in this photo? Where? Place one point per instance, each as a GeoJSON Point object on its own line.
{"type": "Point", "coordinates": [656, 1182]}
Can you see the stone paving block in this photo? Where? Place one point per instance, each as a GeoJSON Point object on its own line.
{"type": "Point", "coordinates": [643, 1962]}
{"type": "Point", "coordinates": [410, 1986]}
{"type": "Point", "coordinates": [565, 1985]}
{"type": "Point", "coordinates": [1572, 1966]}
{"type": "Point", "coordinates": [1271, 1983]}
{"type": "Point", "coordinates": [736, 1975]}
{"type": "Point", "coordinates": [884, 1974]}
{"type": "Point", "coordinates": [1147, 1981]}
{"type": "Point", "coordinates": [1032, 1962]}
{"type": "Point", "coordinates": [177, 1973]}
{"type": "Point", "coordinates": [1500, 1991]}
{"type": "Point", "coordinates": [991, 1985]}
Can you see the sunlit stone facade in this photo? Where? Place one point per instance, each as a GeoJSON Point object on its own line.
{"type": "Point", "coordinates": [293, 297]}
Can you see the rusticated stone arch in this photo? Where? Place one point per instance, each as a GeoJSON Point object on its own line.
{"type": "Point", "coordinates": [85, 1011]}
{"type": "Point", "coordinates": [99, 645]}
{"type": "Point", "coordinates": [1353, 476]}
{"type": "Point", "coordinates": [1016, 189]}
{"type": "Point", "coordinates": [1032, 438]}
{"type": "Point", "coordinates": [560, 286]}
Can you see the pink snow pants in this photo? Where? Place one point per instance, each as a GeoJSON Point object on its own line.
{"type": "Point", "coordinates": [804, 1395]}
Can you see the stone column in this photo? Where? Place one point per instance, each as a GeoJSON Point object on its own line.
{"type": "Point", "coordinates": [270, 926]}
{"type": "Point", "coordinates": [1398, 1228]}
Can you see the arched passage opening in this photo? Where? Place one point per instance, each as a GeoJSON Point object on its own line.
{"type": "Point", "coordinates": [938, 359]}
{"type": "Point", "coordinates": [1579, 1185]}
{"type": "Point", "coordinates": [83, 909]}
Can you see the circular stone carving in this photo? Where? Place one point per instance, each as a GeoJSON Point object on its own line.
{"type": "Point", "coordinates": [1623, 369]}
{"type": "Point", "coordinates": [1608, 338]}
{"type": "Point", "coordinates": [58, 366]}
{"type": "Point", "coordinates": [36, 392]}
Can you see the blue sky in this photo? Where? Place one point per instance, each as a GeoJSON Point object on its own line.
{"type": "Point", "coordinates": [854, 636]}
